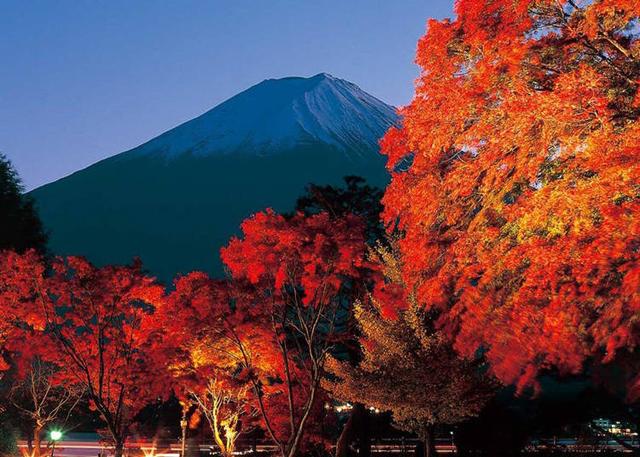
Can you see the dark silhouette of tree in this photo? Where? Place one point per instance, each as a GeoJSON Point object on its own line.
{"type": "Point", "coordinates": [499, 431]}
{"type": "Point", "coordinates": [8, 445]}
{"type": "Point", "coordinates": [356, 197]}
{"type": "Point", "coordinates": [21, 228]}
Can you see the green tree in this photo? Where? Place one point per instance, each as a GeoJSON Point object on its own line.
{"type": "Point", "coordinates": [408, 366]}
{"type": "Point", "coordinates": [21, 228]}
{"type": "Point", "coordinates": [8, 444]}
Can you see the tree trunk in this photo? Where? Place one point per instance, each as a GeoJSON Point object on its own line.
{"type": "Point", "coordinates": [364, 430]}
{"type": "Point", "coordinates": [119, 449]}
{"type": "Point", "coordinates": [346, 436]}
{"type": "Point", "coordinates": [293, 448]}
{"type": "Point", "coordinates": [37, 441]}
{"type": "Point", "coordinates": [219, 441]}
{"type": "Point", "coordinates": [183, 426]}
{"type": "Point", "coordinates": [357, 427]}
{"type": "Point", "coordinates": [429, 441]}
{"type": "Point", "coordinates": [30, 444]}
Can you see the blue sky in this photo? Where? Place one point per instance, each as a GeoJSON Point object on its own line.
{"type": "Point", "coordinates": [83, 80]}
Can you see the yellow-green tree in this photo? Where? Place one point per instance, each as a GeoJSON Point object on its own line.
{"type": "Point", "coordinates": [408, 367]}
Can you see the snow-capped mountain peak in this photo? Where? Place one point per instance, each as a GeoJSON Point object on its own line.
{"type": "Point", "coordinates": [279, 115]}
{"type": "Point", "coordinates": [175, 200]}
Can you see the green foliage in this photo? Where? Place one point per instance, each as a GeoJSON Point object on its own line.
{"type": "Point", "coordinates": [21, 228]}
{"type": "Point", "coordinates": [408, 367]}
{"type": "Point", "coordinates": [8, 443]}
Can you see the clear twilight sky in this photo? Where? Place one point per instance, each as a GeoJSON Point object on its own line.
{"type": "Point", "coordinates": [83, 80]}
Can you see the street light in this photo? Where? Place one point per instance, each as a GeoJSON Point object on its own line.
{"type": "Point", "coordinates": [183, 426]}
{"type": "Point", "coordinates": [55, 435]}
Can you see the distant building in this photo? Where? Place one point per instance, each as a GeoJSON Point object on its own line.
{"type": "Point", "coordinates": [614, 427]}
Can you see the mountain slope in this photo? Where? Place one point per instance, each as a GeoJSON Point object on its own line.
{"type": "Point", "coordinates": [175, 200]}
{"type": "Point", "coordinates": [280, 114]}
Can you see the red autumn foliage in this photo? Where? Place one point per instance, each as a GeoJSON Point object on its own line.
{"type": "Point", "coordinates": [204, 355]}
{"type": "Point", "coordinates": [515, 182]}
{"type": "Point", "coordinates": [296, 279]}
{"type": "Point", "coordinates": [221, 333]}
{"type": "Point", "coordinates": [16, 299]}
{"type": "Point", "coordinates": [96, 325]}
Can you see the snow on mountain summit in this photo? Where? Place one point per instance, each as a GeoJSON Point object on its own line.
{"type": "Point", "coordinates": [280, 114]}
{"type": "Point", "coordinates": [177, 199]}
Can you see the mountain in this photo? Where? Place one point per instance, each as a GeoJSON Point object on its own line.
{"type": "Point", "coordinates": [281, 114]}
{"type": "Point", "coordinates": [175, 200]}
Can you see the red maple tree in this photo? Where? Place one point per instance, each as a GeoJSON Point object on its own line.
{"type": "Point", "coordinates": [97, 326]}
{"type": "Point", "coordinates": [515, 182]}
{"type": "Point", "coordinates": [204, 356]}
{"type": "Point", "coordinates": [295, 274]}
{"type": "Point", "coordinates": [16, 302]}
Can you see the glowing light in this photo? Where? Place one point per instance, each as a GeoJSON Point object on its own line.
{"type": "Point", "coordinates": [56, 435]}
{"type": "Point", "coordinates": [149, 451]}
{"type": "Point", "coordinates": [344, 407]}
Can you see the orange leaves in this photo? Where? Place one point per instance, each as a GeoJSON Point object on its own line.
{"type": "Point", "coordinates": [579, 101]}
{"type": "Point", "coordinates": [610, 16]}
{"type": "Point", "coordinates": [520, 207]}
{"type": "Point", "coordinates": [439, 65]}
{"type": "Point", "coordinates": [407, 367]}
{"type": "Point", "coordinates": [483, 21]}
{"type": "Point", "coordinates": [21, 279]}
{"type": "Point", "coordinates": [394, 143]}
